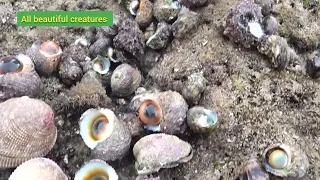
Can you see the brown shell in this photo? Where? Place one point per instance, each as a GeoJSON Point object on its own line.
{"type": "Point", "coordinates": [38, 169]}
{"type": "Point", "coordinates": [44, 64]}
{"type": "Point", "coordinates": [27, 130]}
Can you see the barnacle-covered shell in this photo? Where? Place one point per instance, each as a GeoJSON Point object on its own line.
{"type": "Point", "coordinates": [157, 151]}
{"type": "Point", "coordinates": [18, 77]}
{"type": "Point", "coordinates": [70, 71]}
{"type": "Point", "coordinates": [202, 120]}
{"type": "Point", "coordinates": [38, 169]}
{"type": "Point", "coordinates": [166, 10]}
{"type": "Point", "coordinates": [172, 110]}
{"type": "Point", "coordinates": [313, 64]}
{"type": "Point", "coordinates": [286, 161]}
{"type": "Point", "coordinates": [96, 169]}
{"type": "Point", "coordinates": [125, 80]}
{"type": "Point", "coordinates": [193, 88]}
{"type": "Point", "coordinates": [278, 50]}
{"type": "Point", "coordinates": [129, 38]}
{"type": "Point", "coordinates": [161, 37]}
{"type": "Point", "coordinates": [243, 24]}
{"type": "Point", "coordinates": [145, 16]}
{"type": "Point", "coordinates": [253, 170]}
{"type": "Point", "coordinates": [27, 130]}
{"type": "Point", "coordinates": [101, 65]}
{"type": "Point", "coordinates": [101, 131]}
{"type": "Point", "coordinates": [46, 57]}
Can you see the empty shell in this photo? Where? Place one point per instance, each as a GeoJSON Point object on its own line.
{"type": "Point", "coordinates": [27, 130]}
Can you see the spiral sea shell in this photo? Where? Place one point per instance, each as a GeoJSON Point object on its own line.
{"type": "Point", "coordinates": [18, 77]}
{"type": "Point", "coordinates": [27, 130]}
{"type": "Point", "coordinates": [102, 132]}
{"type": "Point", "coordinates": [46, 57]}
{"type": "Point", "coordinates": [38, 169]}
{"type": "Point", "coordinates": [96, 169]}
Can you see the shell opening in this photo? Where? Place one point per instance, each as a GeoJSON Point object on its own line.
{"type": "Point", "coordinates": [112, 55]}
{"type": "Point", "coordinates": [150, 112]}
{"type": "Point", "coordinates": [134, 7]}
{"type": "Point", "coordinates": [209, 118]}
{"type": "Point", "coordinates": [96, 125]}
{"type": "Point", "coordinates": [96, 170]}
{"type": "Point", "coordinates": [16, 64]}
{"type": "Point", "coordinates": [255, 29]}
{"type": "Point", "coordinates": [49, 48]}
{"type": "Point", "coordinates": [277, 158]}
{"type": "Point", "coordinates": [101, 65]}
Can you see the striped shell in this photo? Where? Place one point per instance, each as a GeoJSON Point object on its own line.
{"type": "Point", "coordinates": [27, 130]}
{"type": "Point", "coordinates": [38, 169]}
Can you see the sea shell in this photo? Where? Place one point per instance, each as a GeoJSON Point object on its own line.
{"type": "Point", "coordinates": [38, 169]}
{"type": "Point", "coordinates": [278, 50]}
{"type": "Point", "coordinates": [27, 130]}
{"type": "Point", "coordinates": [18, 77]}
{"type": "Point", "coordinates": [96, 169]}
{"type": "Point", "coordinates": [202, 120]}
{"type": "Point", "coordinates": [113, 55]}
{"type": "Point", "coordinates": [286, 161]}
{"type": "Point", "coordinates": [193, 88]}
{"type": "Point", "coordinates": [168, 106]}
{"type": "Point", "coordinates": [187, 20]}
{"type": "Point", "coordinates": [253, 170]}
{"type": "Point", "coordinates": [266, 6]}
{"type": "Point", "coordinates": [101, 65]}
{"type": "Point", "coordinates": [100, 47]}
{"type": "Point", "coordinates": [70, 71]}
{"type": "Point", "coordinates": [46, 57]}
{"type": "Point", "coordinates": [102, 132]}
{"type": "Point", "coordinates": [144, 16]}
{"type": "Point", "coordinates": [157, 151]}
{"type": "Point", "coordinates": [125, 80]}
{"type": "Point", "coordinates": [161, 37]}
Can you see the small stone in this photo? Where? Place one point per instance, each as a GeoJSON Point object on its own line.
{"type": "Point", "coordinates": [193, 3]}
{"type": "Point", "coordinates": [271, 25]}
{"type": "Point", "coordinates": [166, 10]}
{"type": "Point", "coordinates": [150, 30]}
{"type": "Point", "coordinates": [145, 16]}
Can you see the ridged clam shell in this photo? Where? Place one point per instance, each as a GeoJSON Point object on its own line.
{"type": "Point", "coordinates": [27, 130]}
{"type": "Point", "coordinates": [38, 169]}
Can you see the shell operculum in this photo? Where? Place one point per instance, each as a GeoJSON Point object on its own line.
{"type": "Point", "coordinates": [112, 55]}
{"type": "Point", "coordinates": [16, 64]}
{"type": "Point", "coordinates": [101, 64]}
{"type": "Point", "coordinates": [48, 48]}
{"type": "Point", "coordinates": [150, 112]}
{"type": "Point", "coordinates": [96, 125]}
{"type": "Point", "coordinates": [96, 169]}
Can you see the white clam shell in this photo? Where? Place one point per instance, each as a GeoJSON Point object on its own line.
{"type": "Point", "coordinates": [38, 169]}
{"type": "Point", "coordinates": [86, 121]}
{"type": "Point", "coordinates": [96, 165]}
{"type": "Point", "coordinates": [27, 130]}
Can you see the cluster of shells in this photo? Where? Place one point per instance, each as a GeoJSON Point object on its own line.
{"type": "Point", "coordinates": [28, 122]}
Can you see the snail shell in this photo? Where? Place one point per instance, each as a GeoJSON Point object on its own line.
{"type": "Point", "coordinates": [125, 80]}
{"type": "Point", "coordinates": [38, 169]}
{"type": "Point", "coordinates": [46, 57]}
{"type": "Point", "coordinates": [27, 130]}
{"type": "Point", "coordinates": [162, 112]}
{"type": "Point", "coordinates": [286, 161]}
{"type": "Point", "coordinates": [253, 170]}
{"type": "Point", "coordinates": [145, 16]}
{"type": "Point", "coordinates": [18, 78]}
{"type": "Point", "coordinates": [202, 120]}
{"type": "Point", "coordinates": [157, 151]}
{"type": "Point", "coordinates": [101, 65]}
{"type": "Point", "coordinates": [96, 169]}
{"type": "Point", "coordinates": [101, 131]}
{"type": "Point", "coordinates": [277, 48]}
{"type": "Point", "coordinates": [164, 10]}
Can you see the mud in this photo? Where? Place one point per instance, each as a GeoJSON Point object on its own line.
{"type": "Point", "coordinates": [257, 105]}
